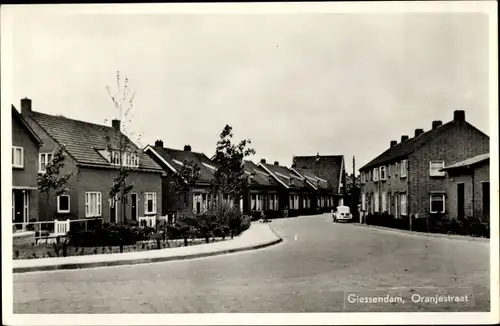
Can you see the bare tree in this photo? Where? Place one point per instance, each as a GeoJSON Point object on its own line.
{"type": "Point", "coordinates": [122, 152]}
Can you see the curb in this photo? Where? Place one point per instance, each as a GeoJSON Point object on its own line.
{"type": "Point", "coordinates": [428, 235]}
{"type": "Point", "coordinates": [70, 266]}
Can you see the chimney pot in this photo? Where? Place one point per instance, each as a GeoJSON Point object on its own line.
{"type": "Point", "coordinates": [436, 124]}
{"type": "Point", "coordinates": [263, 160]}
{"type": "Point", "coordinates": [404, 138]}
{"type": "Point", "coordinates": [115, 123]}
{"type": "Point", "coordinates": [159, 143]}
{"type": "Point", "coordinates": [276, 163]}
{"type": "Point", "coordinates": [25, 106]}
{"type": "Point", "coordinates": [418, 132]}
{"type": "Point", "coordinates": [187, 148]}
{"type": "Point", "coordinates": [393, 143]}
{"type": "Point", "coordinates": [459, 115]}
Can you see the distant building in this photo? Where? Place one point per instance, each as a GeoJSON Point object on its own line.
{"type": "Point", "coordinates": [328, 167]}
{"type": "Point", "coordinates": [93, 157]}
{"type": "Point", "coordinates": [468, 188]}
{"type": "Point", "coordinates": [25, 147]}
{"type": "Point", "coordinates": [407, 179]}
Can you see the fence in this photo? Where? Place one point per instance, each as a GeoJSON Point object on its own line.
{"type": "Point", "coordinates": [44, 229]}
{"type": "Point", "coordinates": [149, 221]}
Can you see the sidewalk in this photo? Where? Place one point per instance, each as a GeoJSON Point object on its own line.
{"type": "Point", "coordinates": [429, 235]}
{"type": "Point", "coordinates": [256, 237]}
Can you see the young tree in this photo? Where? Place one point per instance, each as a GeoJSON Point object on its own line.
{"type": "Point", "coordinates": [52, 182]}
{"type": "Point", "coordinates": [230, 177]}
{"type": "Point", "coordinates": [122, 152]}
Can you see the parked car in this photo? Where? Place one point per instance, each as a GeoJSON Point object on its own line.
{"type": "Point", "coordinates": [342, 213]}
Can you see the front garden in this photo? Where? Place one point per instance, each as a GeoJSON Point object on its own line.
{"type": "Point", "coordinates": [218, 224]}
{"type": "Point", "coordinates": [434, 223]}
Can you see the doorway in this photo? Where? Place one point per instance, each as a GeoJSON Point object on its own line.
{"type": "Point", "coordinates": [20, 206]}
{"type": "Point", "coordinates": [460, 201]}
{"type": "Point", "coordinates": [133, 206]}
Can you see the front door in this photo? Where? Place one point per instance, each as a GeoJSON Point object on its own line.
{"type": "Point", "coordinates": [133, 206]}
{"type": "Point", "coordinates": [19, 198]}
{"type": "Point", "coordinates": [460, 201]}
{"type": "Point", "coordinates": [396, 205]}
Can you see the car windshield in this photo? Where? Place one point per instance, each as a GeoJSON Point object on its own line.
{"type": "Point", "coordinates": [343, 209]}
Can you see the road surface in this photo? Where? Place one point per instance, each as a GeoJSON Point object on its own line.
{"type": "Point", "coordinates": [308, 272]}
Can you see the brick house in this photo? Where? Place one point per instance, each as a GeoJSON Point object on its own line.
{"type": "Point", "coordinates": [327, 167]}
{"type": "Point", "coordinates": [468, 188]}
{"type": "Point", "coordinates": [322, 195]}
{"type": "Point", "coordinates": [171, 160]}
{"type": "Point", "coordinates": [406, 179]}
{"type": "Point", "coordinates": [262, 192]}
{"type": "Point", "coordinates": [298, 194]}
{"type": "Point", "coordinates": [93, 159]}
{"type": "Point", "coordinates": [25, 148]}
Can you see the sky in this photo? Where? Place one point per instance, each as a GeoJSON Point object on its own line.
{"type": "Point", "coordinates": [294, 84]}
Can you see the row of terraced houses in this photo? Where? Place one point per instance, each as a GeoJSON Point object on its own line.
{"type": "Point", "coordinates": [444, 170]}
{"type": "Point", "coordinates": [311, 184]}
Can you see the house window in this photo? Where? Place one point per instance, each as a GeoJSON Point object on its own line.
{"type": "Point", "coordinates": [389, 202]}
{"type": "Point", "coordinates": [150, 203]}
{"type": "Point", "coordinates": [396, 168]}
{"type": "Point", "coordinates": [93, 204]}
{"type": "Point", "coordinates": [383, 175]}
{"type": "Point", "coordinates": [129, 159]}
{"type": "Point", "coordinates": [370, 175]}
{"type": "Point", "coordinates": [376, 208]}
{"type": "Point", "coordinates": [404, 204]}
{"type": "Point", "coordinates": [389, 168]}
{"type": "Point", "coordinates": [363, 177]}
{"type": "Point", "coordinates": [17, 157]}
{"type": "Point", "coordinates": [435, 167]}
{"type": "Point", "coordinates": [404, 167]}
{"type": "Point", "coordinates": [384, 202]}
{"type": "Point", "coordinates": [486, 198]}
{"type": "Point", "coordinates": [375, 174]}
{"type": "Point", "coordinates": [363, 201]}
{"type": "Point", "coordinates": [437, 203]}
{"type": "Point", "coordinates": [254, 202]}
{"type": "Point", "coordinates": [45, 158]}
{"type": "Point", "coordinates": [63, 204]}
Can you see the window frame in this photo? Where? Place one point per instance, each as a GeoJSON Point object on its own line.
{"type": "Point", "coordinates": [383, 168]}
{"type": "Point", "coordinates": [21, 164]}
{"type": "Point", "coordinates": [97, 206]}
{"type": "Point", "coordinates": [404, 167]}
{"type": "Point", "coordinates": [442, 195]}
{"type": "Point", "coordinates": [403, 204]}
{"type": "Point", "coordinates": [154, 204]}
{"type": "Point", "coordinates": [59, 210]}
{"type": "Point", "coordinates": [46, 156]}
{"type": "Point", "coordinates": [375, 174]}
{"type": "Point", "coordinates": [439, 174]}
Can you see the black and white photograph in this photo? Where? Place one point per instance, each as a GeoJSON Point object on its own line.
{"type": "Point", "coordinates": [250, 163]}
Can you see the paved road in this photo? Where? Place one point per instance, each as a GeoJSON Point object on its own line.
{"type": "Point", "coordinates": [308, 272]}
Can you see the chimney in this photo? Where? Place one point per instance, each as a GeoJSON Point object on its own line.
{"type": "Point", "coordinates": [25, 106]}
{"type": "Point", "coordinates": [393, 143]}
{"type": "Point", "coordinates": [159, 143]}
{"type": "Point", "coordinates": [436, 124]}
{"type": "Point", "coordinates": [263, 160]}
{"type": "Point", "coordinates": [418, 132]}
{"type": "Point", "coordinates": [187, 148]}
{"type": "Point", "coordinates": [276, 163]}
{"type": "Point", "coordinates": [115, 123]}
{"type": "Point", "coordinates": [459, 115]}
{"type": "Point", "coordinates": [404, 138]}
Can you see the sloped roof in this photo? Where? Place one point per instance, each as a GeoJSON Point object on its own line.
{"type": "Point", "coordinates": [260, 176]}
{"type": "Point", "coordinates": [468, 162]}
{"type": "Point", "coordinates": [328, 167]}
{"type": "Point", "coordinates": [404, 149]}
{"type": "Point", "coordinates": [31, 132]}
{"type": "Point", "coordinates": [284, 174]}
{"type": "Point", "coordinates": [314, 179]}
{"type": "Point", "coordinates": [175, 157]}
{"type": "Point", "coordinates": [83, 140]}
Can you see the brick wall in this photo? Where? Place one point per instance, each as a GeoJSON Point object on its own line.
{"type": "Point", "coordinates": [458, 143]}
{"type": "Point", "coordinates": [100, 180]}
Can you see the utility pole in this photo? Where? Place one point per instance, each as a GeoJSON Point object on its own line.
{"type": "Point", "coordinates": [353, 187]}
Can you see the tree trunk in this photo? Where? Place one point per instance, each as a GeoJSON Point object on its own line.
{"type": "Point", "coordinates": [185, 242]}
